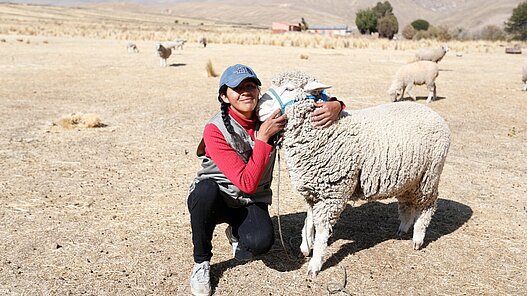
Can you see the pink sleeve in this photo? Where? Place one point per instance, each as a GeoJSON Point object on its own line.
{"type": "Point", "coordinates": [244, 176]}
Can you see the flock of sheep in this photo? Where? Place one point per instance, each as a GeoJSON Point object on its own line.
{"type": "Point", "coordinates": [164, 49]}
{"type": "Point", "coordinates": [424, 71]}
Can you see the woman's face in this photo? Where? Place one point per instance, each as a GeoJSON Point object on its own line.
{"type": "Point", "coordinates": [243, 98]}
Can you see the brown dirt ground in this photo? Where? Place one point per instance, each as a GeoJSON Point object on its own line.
{"type": "Point", "coordinates": [102, 211]}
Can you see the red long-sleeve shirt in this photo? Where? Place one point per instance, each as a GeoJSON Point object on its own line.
{"type": "Point", "coordinates": [245, 176]}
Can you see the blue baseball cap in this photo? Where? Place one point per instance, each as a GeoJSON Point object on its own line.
{"type": "Point", "coordinates": [234, 75]}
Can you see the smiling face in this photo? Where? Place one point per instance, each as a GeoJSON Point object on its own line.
{"type": "Point", "coordinates": [243, 98]}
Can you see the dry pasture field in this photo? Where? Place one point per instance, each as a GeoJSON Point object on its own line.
{"type": "Point", "coordinates": [101, 211]}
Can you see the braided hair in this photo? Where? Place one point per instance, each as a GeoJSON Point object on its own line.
{"type": "Point", "coordinates": [225, 110]}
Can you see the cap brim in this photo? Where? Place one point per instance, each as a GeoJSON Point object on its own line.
{"type": "Point", "coordinates": [234, 83]}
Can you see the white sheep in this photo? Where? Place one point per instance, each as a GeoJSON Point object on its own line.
{"type": "Point", "coordinates": [524, 75]}
{"type": "Point", "coordinates": [177, 44]}
{"type": "Point", "coordinates": [431, 54]}
{"type": "Point", "coordinates": [391, 150]}
{"type": "Point", "coordinates": [417, 73]}
{"type": "Point", "coordinates": [132, 48]}
{"type": "Point", "coordinates": [163, 53]}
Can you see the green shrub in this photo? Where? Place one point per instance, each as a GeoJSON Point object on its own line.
{"type": "Point", "coordinates": [420, 25]}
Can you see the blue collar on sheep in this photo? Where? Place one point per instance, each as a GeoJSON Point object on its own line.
{"type": "Point", "coordinates": [288, 88]}
{"type": "Point", "coordinates": [272, 94]}
{"type": "Point", "coordinates": [275, 95]}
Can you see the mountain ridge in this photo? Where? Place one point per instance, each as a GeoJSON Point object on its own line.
{"type": "Point", "coordinates": [469, 15]}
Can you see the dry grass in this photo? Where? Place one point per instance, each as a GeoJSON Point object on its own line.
{"type": "Point", "coordinates": [79, 119]}
{"type": "Point", "coordinates": [210, 69]}
{"type": "Point", "coordinates": [102, 211]}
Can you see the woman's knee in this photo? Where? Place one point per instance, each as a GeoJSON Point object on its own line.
{"type": "Point", "coordinates": [204, 195]}
{"type": "Point", "coordinates": [258, 242]}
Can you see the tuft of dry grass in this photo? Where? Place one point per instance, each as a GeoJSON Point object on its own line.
{"type": "Point", "coordinates": [79, 119]}
{"type": "Point", "coordinates": [210, 70]}
{"type": "Point", "coordinates": [304, 56]}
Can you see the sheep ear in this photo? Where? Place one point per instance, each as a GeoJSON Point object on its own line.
{"type": "Point", "coordinates": [314, 86]}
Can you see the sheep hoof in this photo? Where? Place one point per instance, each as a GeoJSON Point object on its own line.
{"type": "Point", "coordinates": [314, 267]}
{"type": "Point", "coordinates": [311, 273]}
{"type": "Point", "coordinates": [417, 245]}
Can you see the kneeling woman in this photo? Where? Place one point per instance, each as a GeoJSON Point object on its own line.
{"type": "Point", "coordinates": [234, 184]}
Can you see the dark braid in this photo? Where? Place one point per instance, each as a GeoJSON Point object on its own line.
{"type": "Point", "coordinates": [226, 118]}
{"type": "Point", "coordinates": [225, 110]}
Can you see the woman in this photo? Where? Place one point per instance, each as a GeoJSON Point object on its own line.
{"type": "Point", "coordinates": [234, 184]}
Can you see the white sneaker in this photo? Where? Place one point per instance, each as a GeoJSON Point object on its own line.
{"type": "Point", "coordinates": [238, 251]}
{"type": "Point", "coordinates": [200, 279]}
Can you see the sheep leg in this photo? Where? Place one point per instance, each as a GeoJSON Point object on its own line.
{"type": "Point", "coordinates": [431, 93]}
{"type": "Point", "coordinates": [319, 248]}
{"type": "Point", "coordinates": [420, 226]}
{"type": "Point", "coordinates": [308, 232]}
{"type": "Point", "coordinates": [409, 91]}
{"type": "Point", "coordinates": [325, 215]}
{"type": "Point", "coordinates": [407, 215]}
{"type": "Point", "coordinates": [525, 86]}
{"type": "Point", "coordinates": [402, 93]}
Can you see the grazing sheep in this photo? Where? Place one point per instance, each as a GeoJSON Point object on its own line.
{"type": "Point", "coordinates": [132, 48]}
{"type": "Point", "coordinates": [176, 45]}
{"type": "Point", "coordinates": [390, 150]}
{"type": "Point", "coordinates": [202, 41]}
{"type": "Point", "coordinates": [418, 73]}
{"type": "Point", "coordinates": [524, 75]}
{"type": "Point", "coordinates": [163, 53]}
{"type": "Point", "coordinates": [431, 54]}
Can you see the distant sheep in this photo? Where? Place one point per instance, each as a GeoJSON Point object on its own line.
{"type": "Point", "coordinates": [132, 48]}
{"type": "Point", "coordinates": [177, 44]}
{"type": "Point", "coordinates": [524, 75]}
{"type": "Point", "coordinates": [431, 54]}
{"type": "Point", "coordinates": [418, 73]}
{"type": "Point", "coordinates": [202, 41]}
{"type": "Point", "coordinates": [163, 53]}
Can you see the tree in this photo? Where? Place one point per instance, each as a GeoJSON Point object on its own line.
{"type": "Point", "coordinates": [382, 9]}
{"type": "Point", "coordinates": [366, 21]}
{"type": "Point", "coordinates": [492, 32]}
{"type": "Point", "coordinates": [517, 23]}
{"type": "Point", "coordinates": [408, 32]}
{"type": "Point", "coordinates": [388, 26]}
{"type": "Point", "coordinates": [420, 25]}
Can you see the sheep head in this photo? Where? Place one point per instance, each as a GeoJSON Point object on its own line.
{"type": "Point", "coordinates": [395, 90]}
{"type": "Point", "coordinates": [286, 89]}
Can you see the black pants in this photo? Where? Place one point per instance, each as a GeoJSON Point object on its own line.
{"type": "Point", "coordinates": [251, 224]}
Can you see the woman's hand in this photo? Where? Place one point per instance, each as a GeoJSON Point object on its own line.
{"type": "Point", "coordinates": [271, 126]}
{"type": "Point", "coordinates": [326, 113]}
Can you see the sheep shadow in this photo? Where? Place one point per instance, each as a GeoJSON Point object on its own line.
{"type": "Point", "coordinates": [420, 98]}
{"type": "Point", "coordinates": [364, 226]}
{"type": "Point", "coordinates": [177, 65]}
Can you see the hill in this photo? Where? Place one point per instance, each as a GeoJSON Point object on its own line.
{"type": "Point", "coordinates": [470, 15]}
